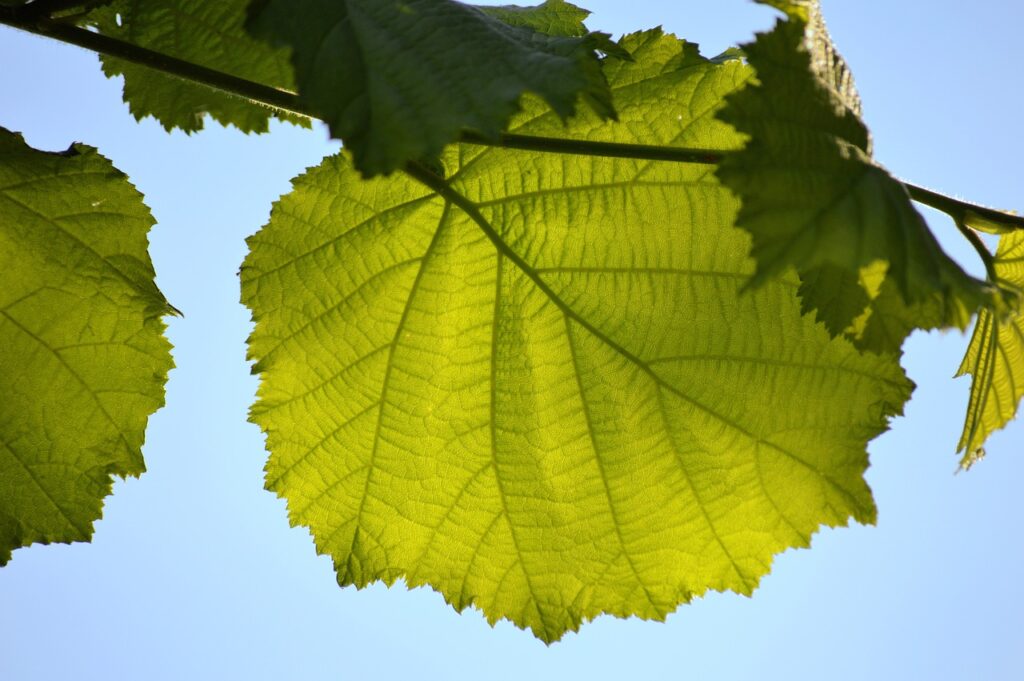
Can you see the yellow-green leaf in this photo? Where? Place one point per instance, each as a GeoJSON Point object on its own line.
{"type": "Point", "coordinates": [536, 385]}
{"type": "Point", "coordinates": [83, 359]}
{"type": "Point", "coordinates": [995, 358]}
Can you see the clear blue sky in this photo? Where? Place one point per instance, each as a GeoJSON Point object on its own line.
{"type": "Point", "coordinates": [194, 573]}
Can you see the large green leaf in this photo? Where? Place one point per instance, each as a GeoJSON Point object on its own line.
{"type": "Point", "coordinates": [204, 32]}
{"type": "Point", "coordinates": [537, 387]}
{"type": "Point", "coordinates": [83, 359]}
{"type": "Point", "coordinates": [995, 358]}
{"type": "Point", "coordinates": [398, 80]}
{"type": "Point", "coordinates": [814, 199]}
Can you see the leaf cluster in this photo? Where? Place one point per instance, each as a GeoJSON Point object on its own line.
{"type": "Point", "coordinates": [571, 325]}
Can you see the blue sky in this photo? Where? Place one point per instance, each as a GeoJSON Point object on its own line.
{"type": "Point", "coordinates": [195, 574]}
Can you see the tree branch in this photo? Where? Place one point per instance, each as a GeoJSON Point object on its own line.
{"type": "Point", "coordinates": [256, 92]}
{"type": "Point", "coordinates": [556, 145]}
{"type": "Point", "coordinates": [22, 17]}
{"type": "Point", "coordinates": [971, 215]}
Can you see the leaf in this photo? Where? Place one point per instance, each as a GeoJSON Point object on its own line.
{"type": "Point", "coordinates": [837, 296]}
{"type": "Point", "coordinates": [554, 17]}
{"type": "Point", "coordinates": [83, 359]}
{"type": "Point", "coordinates": [812, 196]}
{"type": "Point", "coordinates": [995, 358]}
{"type": "Point", "coordinates": [397, 80]}
{"type": "Point", "coordinates": [888, 320]}
{"type": "Point", "coordinates": [536, 386]}
{"type": "Point", "coordinates": [206, 33]}
{"type": "Point", "coordinates": [882, 320]}
{"type": "Point", "coordinates": [828, 66]}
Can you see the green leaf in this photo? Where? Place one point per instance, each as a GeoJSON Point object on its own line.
{"type": "Point", "coordinates": [813, 198]}
{"type": "Point", "coordinates": [835, 294]}
{"type": "Point", "coordinates": [83, 359]}
{"type": "Point", "coordinates": [536, 385]}
{"type": "Point", "coordinates": [828, 66]}
{"type": "Point", "coordinates": [882, 320]}
{"type": "Point", "coordinates": [995, 358]}
{"type": "Point", "coordinates": [888, 320]}
{"type": "Point", "coordinates": [206, 33]}
{"type": "Point", "coordinates": [397, 80]}
{"type": "Point", "coordinates": [554, 17]}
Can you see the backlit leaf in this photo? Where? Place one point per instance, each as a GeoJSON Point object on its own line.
{"type": "Point", "coordinates": [995, 358]}
{"type": "Point", "coordinates": [83, 359]}
{"type": "Point", "coordinates": [537, 387]}
{"type": "Point", "coordinates": [205, 32]}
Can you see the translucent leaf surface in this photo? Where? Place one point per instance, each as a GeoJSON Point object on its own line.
{"type": "Point", "coordinates": [204, 32]}
{"type": "Point", "coordinates": [995, 358]}
{"type": "Point", "coordinates": [536, 385]}
{"type": "Point", "coordinates": [813, 198]}
{"type": "Point", "coordinates": [396, 81]}
{"type": "Point", "coordinates": [83, 359]}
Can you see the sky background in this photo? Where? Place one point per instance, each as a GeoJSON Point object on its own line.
{"type": "Point", "coordinates": [194, 573]}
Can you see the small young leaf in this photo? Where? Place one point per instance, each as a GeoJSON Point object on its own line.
{"type": "Point", "coordinates": [83, 359]}
{"type": "Point", "coordinates": [995, 358]}
{"type": "Point", "coordinates": [397, 80]}
{"type": "Point", "coordinates": [205, 32]}
{"type": "Point", "coordinates": [812, 196]}
{"type": "Point", "coordinates": [536, 385]}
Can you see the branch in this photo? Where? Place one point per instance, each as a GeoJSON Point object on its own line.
{"type": "Point", "coordinates": [256, 92]}
{"type": "Point", "coordinates": [963, 213]}
{"type": "Point", "coordinates": [966, 215]}
{"type": "Point", "coordinates": [970, 215]}
{"type": "Point", "coordinates": [558, 145]}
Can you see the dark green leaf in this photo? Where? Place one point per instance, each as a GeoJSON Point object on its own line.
{"type": "Point", "coordinates": [812, 196]}
{"type": "Point", "coordinates": [397, 80]}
